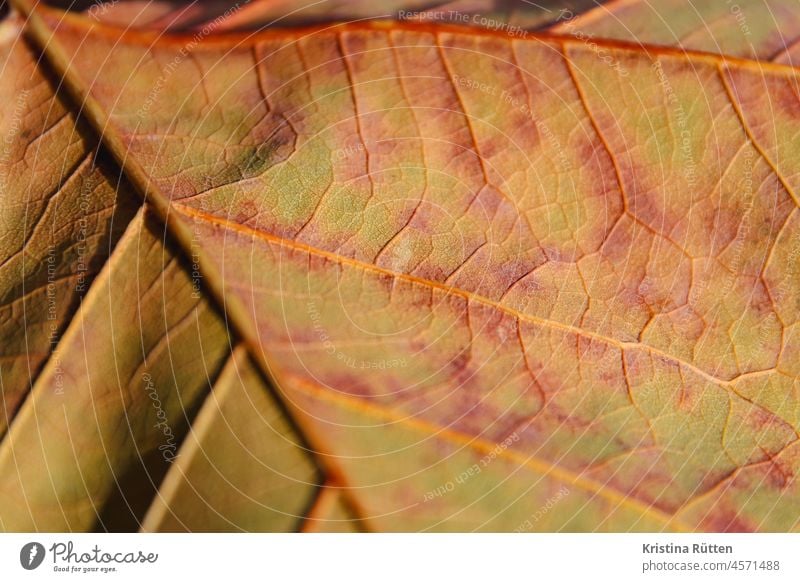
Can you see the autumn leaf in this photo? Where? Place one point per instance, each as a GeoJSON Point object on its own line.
{"type": "Point", "coordinates": [241, 450]}
{"type": "Point", "coordinates": [255, 14]}
{"type": "Point", "coordinates": [759, 29]}
{"type": "Point", "coordinates": [403, 275]}
{"type": "Point", "coordinates": [58, 218]}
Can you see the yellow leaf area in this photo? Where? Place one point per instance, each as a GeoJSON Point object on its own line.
{"type": "Point", "coordinates": [502, 283]}
{"type": "Point", "coordinates": [109, 349]}
{"type": "Point", "coordinates": [760, 29]}
{"type": "Point", "coordinates": [149, 418]}
{"type": "Point", "coordinates": [59, 214]}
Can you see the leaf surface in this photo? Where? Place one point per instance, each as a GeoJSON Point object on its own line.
{"type": "Point", "coordinates": [104, 425]}
{"type": "Point", "coordinates": [256, 14]}
{"type": "Point", "coordinates": [330, 513]}
{"type": "Point", "coordinates": [488, 275]}
{"type": "Point", "coordinates": [446, 244]}
{"type": "Point", "coordinates": [104, 421]}
{"type": "Point", "coordinates": [242, 468]}
{"type": "Point", "coordinates": [759, 29]}
{"type": "Point", "coordinates": [59, 218]}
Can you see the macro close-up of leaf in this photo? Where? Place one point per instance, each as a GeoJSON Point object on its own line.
{"type": "Point", "coordinates": [400, 266]}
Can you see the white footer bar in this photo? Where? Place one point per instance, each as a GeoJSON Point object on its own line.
{"type": "Point", "coordinates": [400, 557]}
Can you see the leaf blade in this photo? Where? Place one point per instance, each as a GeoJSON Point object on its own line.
{"type": "Point", "coordinates": [705, 406]}
{"type": "Point", "coordinates": [61, 217]}
{"type": "Point", "coordinates": [241, 467]}
{"type": "Point", "coordinates": [134, 399]}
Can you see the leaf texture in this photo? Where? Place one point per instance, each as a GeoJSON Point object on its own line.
{"type": "Point", "coordinates": [489, 275]}
{"type": "Point", "coordinates": [182, 16]}
{"type": "Point", "coordinates": [241, 468]}
{"type": "Point", "coordinates": [330, 513]}
{"type": "Point", "coordinates": [104, 421]}
{"type": "Point", "coordinates": [60, 216]}
{"type": "Point", "coordinates": [758, 29]}
{"type": "Point", "coordinates": [531, 284]}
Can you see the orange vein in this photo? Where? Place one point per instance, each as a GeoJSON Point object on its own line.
{"type": "Point", "coordinates": [485, 446]}
{"type": "Point", "coordinates": [468, 295]}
